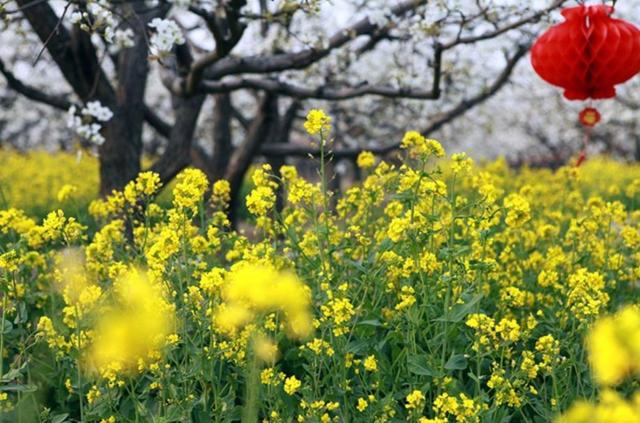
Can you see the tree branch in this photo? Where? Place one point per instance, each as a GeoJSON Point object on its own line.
{"type": "Point", "coordinates": [324, 93]}
{"type": "Point", "coordinates": [156, 122]}
{"type": "Point", "coordinates": [222, 135]}
{"type": "Point", "coordinates": [467, 104]}
{"type": "Point", "coordinates": [275, 150]}
{"type": "Point", "coordinates": [499, 31]}
{"type": "Point", "coordinates": [178, 152]}
{"type": "Point", "coordinates": [33, 93]}
{"type": "Point", "coordinates": [227, 30]}
{"type": "Point", "coordinates": [61, 102]}
{"type": "Point", "coordinates": [74, 55]}
{"type": "Point", "coordinates": [304, 58]}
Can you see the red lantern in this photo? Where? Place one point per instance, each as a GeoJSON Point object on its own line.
{"type": "Point", "coordinates": [589, 53]}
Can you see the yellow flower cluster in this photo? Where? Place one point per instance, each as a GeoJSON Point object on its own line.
{"type": "Point", "coordinates": [317, 121]}
{"type": "Point", "coordinates": [132, 333]}
{"type": "Point", "coordinates": [614, 346]}
{"type": "Point", "coordinates": [252, 290]}
{"type": "Point", "coordinates": [190, 188]}
{"type": "Point", "coordinates": [420, 147]}
{"type": "Point", "coordinates": [263, 197]}
{"type": "Point", "coordinates": [40, 181]}
{"type": "Point", "coordinates": [366, 159]}
{"type": "Point", "coordinates": [435, 290]}
{"type": "Point", "coordinates": [518, 210]}
{"type": "Point", "coordinates": [463, 409]}
{"type": "Point", "coordinates": [612, 408]}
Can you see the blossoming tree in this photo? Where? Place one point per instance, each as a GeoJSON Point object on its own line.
{"type": "Point", "coordinates": [260, 62]}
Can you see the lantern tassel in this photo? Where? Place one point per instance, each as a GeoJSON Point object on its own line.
{"type": "Point", "coordinates": [586, 137]}
{"type": "Point", "coordinates": [589, 117]}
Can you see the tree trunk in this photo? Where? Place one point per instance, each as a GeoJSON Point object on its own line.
{"type": "Point", "coordinates": [222, 137]}
{"type": "Point", "coordinates": [121, 152]}
{"type": "Point", "coordinates": [177, 155]}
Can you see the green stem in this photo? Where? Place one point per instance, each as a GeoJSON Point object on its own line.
{"type": "Point", "coordinates": [78, 375]}
{"type": "Point", "coordinates": [4, 310]}
{"type": "Point", "coordinates": [250, 412]}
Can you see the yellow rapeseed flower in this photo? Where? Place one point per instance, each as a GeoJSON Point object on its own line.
{"type": "Point", "coordinates": [366, 159]}
{"type": "Point", "coordinates": [291, 385]}
{"type": "Point", "coordinates": [415, 400]}
{"type": "Point", "coordinates": [134, 330]}
{"type": "Point", "coordinates": [252, 289]}
{"type": "Point", "coordinates": [614, 346]}
{"type": "Point", "coordinates": [371, 364]}
{"type": "Point", "coordinates": [317, 121]}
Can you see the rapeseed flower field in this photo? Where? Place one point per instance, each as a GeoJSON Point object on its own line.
{"type": "Point", "coordinates": [435, 290]}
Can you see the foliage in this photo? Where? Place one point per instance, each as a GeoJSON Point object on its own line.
{"type": "Point", "coordinates": [434, 291]}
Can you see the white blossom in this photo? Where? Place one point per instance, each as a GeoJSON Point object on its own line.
{"type": "Point", "coordinates": [98, 111]}
{"type": "Point", "coordinates": [380, 17]}
{"type": "Point", "coordinates": [100, 13]}
{"type": "Point", "coordinates": [166, 36]}
{"type": "Point", "coordinates": [109, 34]}
{"type": "Point", "coordinates": [86, 126]}
{"type": "Point", "coordinates": [122, 39]}
{"type": "Point", "coordinates": [76, 17]}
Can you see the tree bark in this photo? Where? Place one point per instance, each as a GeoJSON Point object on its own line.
{"type": "Point", "coordinates": [222, 136]}
{"type": "Point", "coordinates": [120, 155]}
{"type": "Point", "coordinates": [281, 134]}
{"type": "Point", "coordinates": [177, 155]}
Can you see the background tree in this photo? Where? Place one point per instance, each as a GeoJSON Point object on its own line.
{"type": "Point", "coordinates": [236, 76]}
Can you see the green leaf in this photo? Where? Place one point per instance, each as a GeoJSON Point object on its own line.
{"type": "Point", "coordinates": [173, 414]}
{"type": "Point", "coordinates": [455, 251]}
{"type": "Point", "coordinates": [460, 311]}
{"type": "Point", "coordinates": [18, 388]}
{"type": "Point", "coordinates": [59, 418]}
{"type": "Point", "coordinates": [418, 365]}
{"type": "Point", "coordinates": [456, 362]}
{"type": "Point", "coordinates": [370, 322]}
{"type": "Point", "coordinates": [357, 347]}
{"type": "Point", "coordinates": [13, 374]}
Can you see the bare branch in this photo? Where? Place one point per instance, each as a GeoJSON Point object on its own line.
{"type": "Point", "coordinates": [156, 122]}
{"type": "Point", "coordinates": [57, 101]}
{"type": "Point", "coordinates": [242, 119]}
{"type": "Point", "coordinates": [322, 92]}
{"type": "Point", "coordinates": [275, 150]}
{"type": "Point", "coordinates": [298, 60]}
{"type": "Point", "coordinates": [222, 136]}
{"type": "Point", "coordinates": [467, 104]}
{"type": "Point", "coordinates": [61, 102]}
{"type": "Point", "coordinates": [227, 31]}
{"type": "Point", "coordinates": [74, 54]}
{"type": "Point", "coordinates": [501, 30]}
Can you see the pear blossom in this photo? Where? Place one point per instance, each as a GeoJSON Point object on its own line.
{"type": "Point", "coordinates": [166, 36]}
